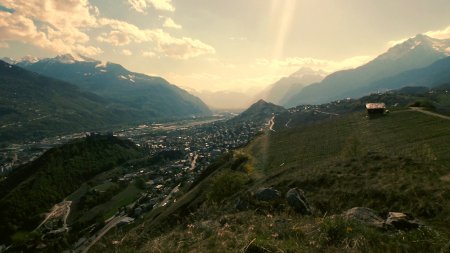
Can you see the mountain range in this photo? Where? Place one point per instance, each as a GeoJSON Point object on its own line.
{"type": "Point", "coordinates": [415, 53]}
{"type": "Point", "coordinates": [283, 89]}
{"type": "Point", "coordinates": [153, 95]}
{"type": "Point", "coordinates": [33, 106]}
{"type": "Point", "coordinates": [64, 95]}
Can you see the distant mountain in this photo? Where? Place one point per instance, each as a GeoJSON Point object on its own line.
{"type": "Point", "coordinates": [225, 99]}
{"type": "Point", "coordinates": [156, 96]}
{"type": "Point", "coordinates": [8, 60]}
{"type": "Point", "coordinates": [417, 52]}
{"type": "Point", "coordinates": [284, 88]}
{"type": "Point", "coordinates": [429, 76]}
{"type": "Point", "coordinates": [259, 112]}
{"type": "Point", "coordinates": [24, 60]}
{"type": "Point", "coordinates": [32, 105]}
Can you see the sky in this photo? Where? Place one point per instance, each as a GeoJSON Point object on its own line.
{"type": "Point", "coordinates": [213, 45]}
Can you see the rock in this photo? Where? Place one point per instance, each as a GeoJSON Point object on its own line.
{"type": "Point", "coordinates": [137, 212]}
{"type": "Point", "coordinates": [240, 204]}
{"type": "Point", "coordinates": [296, 199]}
{"type": "Point", "coordinates": [267, 194]}
{"type": "Point", "coordinates": [364, 215]}
{"type": "Point", "coordinates": [401, 221]}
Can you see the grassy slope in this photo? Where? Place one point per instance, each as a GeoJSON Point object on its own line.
{"type": "Point", "coordinates": [396, 163]}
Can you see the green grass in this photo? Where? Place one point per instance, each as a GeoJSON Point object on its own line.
{"type": "Point", "coordinates": [394, 163]}
{"type": "Point", "coordinates": [282, 232]}
{"type": "Point", "coordinates": [107, 209]}
{"type": "Point", "coordinates": [400, 133]}
{"type": "Point", "coordinates": [104, 186]}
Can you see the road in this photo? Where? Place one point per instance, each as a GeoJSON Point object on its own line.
{"type": "Point", "coordinates": [194, 161]}
{"type": "Point", "coordinates": [329, 113]}
{"type": "Point", "coordinates": [287, 123]}
{"type": "Point", "coordinates": [169, 196]}
{"type": "Point", "coordinates": [419, 109]}
{"type": "Point", "coordinates": [59, 210]}
{"type": "Point", "coordinates": [271, 123]}
{"type": "Point", "coordinates": [94, 239]}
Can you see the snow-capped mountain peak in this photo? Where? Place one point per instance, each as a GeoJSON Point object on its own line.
{"type": "Point", "coordinates": [65, 58]}
{"type": "Point", "coordinates": [420, 42]}
{"type": "Point", "coordinates": [9, 60]}
{"type": "Point", "coordinates": [29, 59]}
{"type": "Point", "coordinates": [306, 71]}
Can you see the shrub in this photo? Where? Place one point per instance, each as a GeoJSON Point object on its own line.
{"type": "Point", "coordinates": [423, 103]}
{"type": "Point", "coordinates": [226, 184]}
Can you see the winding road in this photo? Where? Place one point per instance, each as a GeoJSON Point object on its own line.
{"type": "Point", "coordinates": [271, 123]}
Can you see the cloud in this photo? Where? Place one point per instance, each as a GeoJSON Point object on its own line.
{"type": "Point", "coordinates": [115, 38]}
{"type": "Point", "coordinates": [440, 34]}
{"type": "Point", "coordinates": [396, 42]}
{"type": "Point", "coordinates": [163, 42]}
{"type": "Point", "coordinates": [143, 5]}
{"type": "Point", "coordinates": [313, 63]}
{"type": "Point", "coordinates": [148, 54]}
{"type": "Point", "coordinates": [64, 26]}
{"type": "Point", "coordinates": [126, 52]}
{"type": "Point", "coordinates": [238, 38]}
{"type": "Point", "coordinates": [169, 23]}
{"type": "Point", "coordinates": [181, 48]}
{"type": "Point", "coordinates": [4, 45]}
{"type": "Point", "coordinates": [58, 26]}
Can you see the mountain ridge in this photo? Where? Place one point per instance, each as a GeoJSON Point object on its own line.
{"type": "Point", "coordinates": [112, 81]}
{"type": "Point", "coordinates": [414, 53]}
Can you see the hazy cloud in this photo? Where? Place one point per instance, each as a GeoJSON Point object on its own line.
{"type": "Point", "coordinates": [163, 42]}
{"type": "Point", "coordinates": [143, 5]}
{"type": "Point", "coordinates": [115, 38]}
{"type": "Point", "coordinates": [316, 64]}
{"type": "Point", "coordinates": [181, 48]}
{"type": "Point", "coordinates": [54, 25]}
{"type": "Point", "coordinates": [396, 42]}
{"type": "Point", "coordinates": [169, 23]}
{"type": "Point", "coordinates": [440, 34]}
{"type": "Point", "coordinates": [4, 44]}
{"type": "Point", "coordinates": [148, 54]}
{"type": "Point", "coordinates": [63, 26]}
{"type": "Point", "coordinates": [126, 52]}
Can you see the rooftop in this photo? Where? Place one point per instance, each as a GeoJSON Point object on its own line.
{"type": "Point", "coordinates": [375, 106]}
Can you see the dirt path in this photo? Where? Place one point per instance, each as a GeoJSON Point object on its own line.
{"type": "Point", "coordinates": [419, 109]}
{"type": "Point", "coordinates": [271, 123]}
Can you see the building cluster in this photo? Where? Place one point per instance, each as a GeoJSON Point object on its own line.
{"type": "Point", "coordinates": [198, 146]}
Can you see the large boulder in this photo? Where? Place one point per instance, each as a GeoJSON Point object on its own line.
{"type": "Point", "coordinates": [401, 221]}
{"type": "Point", "coordinates": [296, 199]}
{"type": "Point", "coordinates": [267, 194]}
{"type": "Point", "coordinates": [364, 215]}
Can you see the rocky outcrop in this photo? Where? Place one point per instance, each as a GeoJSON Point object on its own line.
{"type": "Point", "coordinates": [401, 221]}
{"type": "Point", "coordinates": [364, 215]}
{"type": "Point", "coordinates": [394, 220]}
{"type": "Point", "coordinates": [296, 199]}
{"type": "Point", "coordinates": [267, 194]}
